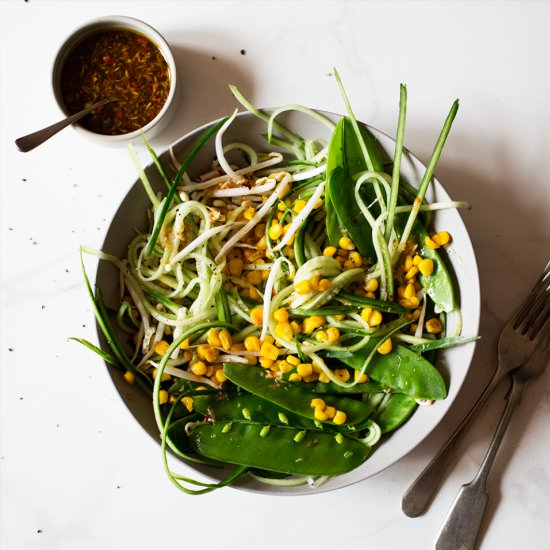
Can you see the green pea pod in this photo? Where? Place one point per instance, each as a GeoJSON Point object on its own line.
{"type": "Point", "coordinates": [345, 159]}
{"type": "Point", "coordinates": [290, 396]}
{"type": "Point", "coordinates": [438, 285]}
{"type": "Point", "coordinates": [395, 411]}
{"type": "Point", "coordinates": [407, 372]}
{"type": "Point", "coordinates": [245, 406]}
{"type": "Point", "coordinates": [330, 387]}
{"type": "Point", "coordinates": [278, 448]}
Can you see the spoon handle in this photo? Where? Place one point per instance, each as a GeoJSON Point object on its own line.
{"type": "Point", "coordinates": [30, 141]}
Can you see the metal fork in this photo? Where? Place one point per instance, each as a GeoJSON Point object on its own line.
{"type": "Point", "coordinates": [461, 528]}
{"type": "Point", "coordinates": [514, 349]}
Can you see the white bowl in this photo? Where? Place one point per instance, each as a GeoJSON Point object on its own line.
{"type": "Point", "coordinates": [453, 363]}
{"type": "Point", "coordinates": [118, 22]}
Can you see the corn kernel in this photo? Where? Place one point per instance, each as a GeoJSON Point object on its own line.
{"type": "Point", "coordinates": [324, 284]}
{"type": "Point", "coordinates": [187, 402]}
{"type": "Point", "coordinates": [284, 331]}
{"type": "Point", "coordinates": [235, 266]}
{"type": "Point", "coordinates": [317, 403]}
{"type": "Point", "coordinates": [304, 369]}
{"type": "Point", "coordinates": [254, 277]}
{"type": "Point", "coordinates": [346, 243]}
{"type": "Point", "coordinates": [281, 206]}
{"type": "Point", "coordinates": [372, 285]}
{"type": "Point", "coordinates": [333, 335]}
{"type": "Point", "coordinates": [296, 327]}
{"type": "Point", "coordinates": [412, 272]}
{"type": "Point", "coordinates": [303, 287]}
{"type": "Point", "coordinates": [442, 238]}
{"type": "Point", "coordinates": [385, 347]}
{"type": "Point", "coordinates": [129, 377]}
{"type": "Point", "coordinates": [275, 231]}
{"type": "Point", "coordinates": [426, 267]}
{"type": "Point", "coordinates": [226, 340]}
{"type": "Point", "coordinates": [314, 282]}
{"type": "Point", "coordinates": [431, 244]}
{"type": "Point", "coordinates": [323, 377]}
{"type": "Point", "coordinates": [248, 214]}
{"type": "Point", "coordinates": [410, 303]}
{"type": "Point", "coordinates": [266, 363]}
{"type": "Point", "coordinates": [163, 397]}
{"type": "Point", "coordinates": [213, 337]}
{"type": "Point", "coordinates": [220, 376]}
{"type": "Point", "coordinates": [257, 315]}
{"type": "Point", "coordinates": [356, 259]}
{"type": "Point", "coordinates": [208, 353]}
{"type": "Point", "coordinates": [299, 205]}
{"type": "Point", "coordinates": [292, 360]}
{"type": "Point", "coordinates": [294, 377]}
{"type": "Point", "coordinates": [321, 336]}
{"type": "Point", "coordinates": [375, 318]}
{"type": "Point", "coordinates": [268, 338]}
{"type": "Point", "coordinates": [313, 322]}
{"type": "Point", "coordinates": [407, 262]}
{"type": "Point", "coordinates": [319, 414]}
{"type": "Point", "coordinates": [185, 344]}
{"type": "Point", "coordinates": [360, 378]}
{"type": "Point", "coordinates": [161, 347]}
{"type": "Point", "coordinates": [409, 292]}
{"type": "Point", "coordinates": [262, 244]}
{"type": "Point", "coordinates": [433, 325]}
{"type": "Point", "coordinates": [252, 343]}
{"type": "Point", "coordinates": [329, 251]}
{"type": "Point", "coordinates": [318, 204]}
{"type": "Point", "coordinates": [269, 351]}
{"type": "Point", "coordinates": [330, 411]}
{"type": "Point", "coordinates": [281, 315]}
{"type": "Point", "coordinates": [339, 317]}
{"type": "Point", "coordinates": [284, 366]}
{"type": "Point", "coordinates": [417, 259]}
{"type": "Point", "coordinates": [340, 417]}
{"type": "Point", "coordinates": [311, 377]}
{"type": "Point", "coordinates": [198, 368]}
{"type": "Point", "coordinates": [165, 375]}
{"type": "Point", "coordinates": [342, 374]}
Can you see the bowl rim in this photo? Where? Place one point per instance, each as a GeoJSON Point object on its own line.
{"type": "Point", "coordinates": [184, 143]}
{"type": "Point", "coordinates": [116, 22]}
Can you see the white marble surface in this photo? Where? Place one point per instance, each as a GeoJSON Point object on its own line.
{"type": "Point", "coordinates": [77, 471]}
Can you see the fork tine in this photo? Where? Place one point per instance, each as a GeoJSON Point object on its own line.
{"type": "Point", "coordinates": [526, 308]}
{"type": "Point", "coordinates": [543, 316]}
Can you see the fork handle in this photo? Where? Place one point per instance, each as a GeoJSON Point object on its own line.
{"type": "Point", "coordinates": [463, 523]}
{"type": "Point", "coordinates": [419, 495]}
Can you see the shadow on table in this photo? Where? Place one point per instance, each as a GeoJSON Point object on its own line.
{"type": "Point", "coordinates": [509, 230]}
{"type": "Point", "coordinates": [204, 93]}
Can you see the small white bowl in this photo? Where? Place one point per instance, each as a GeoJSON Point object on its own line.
{"type": "Point", "coordinates": [118, 22]}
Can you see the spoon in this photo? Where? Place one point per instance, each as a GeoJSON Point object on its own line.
{"type": "Point", "coordinates": [30, 141]}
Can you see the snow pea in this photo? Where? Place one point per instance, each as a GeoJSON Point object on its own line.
{"type": "Point", "coordinates": [394, 411]}
{"type": "Point", "coordinates": [438, 285]}
{"type": "Point", "coordinates": [245, 406]}
{"type": "Point", "coordinates": [289, 396]}
{"type": "Point", "coordinates": [407, 372]}
{"type": "Point", "coordinates": [282, 449]}
{"type": "Point", "coordinates": [345, 159]}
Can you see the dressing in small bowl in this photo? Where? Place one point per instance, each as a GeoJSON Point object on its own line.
{"type": "Point", "coordinates": [126, 61]}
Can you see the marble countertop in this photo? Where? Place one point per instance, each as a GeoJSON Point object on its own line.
{"type": "Point", "coordinates": [77, 472]}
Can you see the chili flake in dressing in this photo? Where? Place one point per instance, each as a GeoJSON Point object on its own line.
{"type": "Point", "coordinates": [123, 66]}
